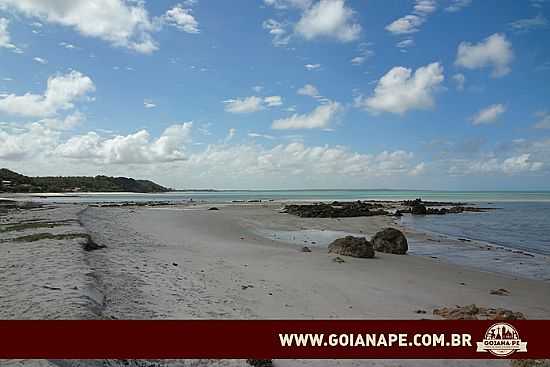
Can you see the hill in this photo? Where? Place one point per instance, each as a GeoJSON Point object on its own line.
{"type": "Point", "coordinates": [14, 182]}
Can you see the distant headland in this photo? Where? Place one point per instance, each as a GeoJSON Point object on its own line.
{"type": "Point", "coordinates": [14, 182]}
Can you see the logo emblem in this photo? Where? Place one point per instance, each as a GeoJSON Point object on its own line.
{"type": "Point", "coordinates": [501, 340]}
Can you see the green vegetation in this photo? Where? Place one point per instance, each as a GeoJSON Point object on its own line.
{"type": "Point", "coordinates": [14, 182]}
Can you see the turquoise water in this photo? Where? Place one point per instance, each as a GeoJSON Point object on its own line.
{"type": "Point", "coordinates": [320, 195]}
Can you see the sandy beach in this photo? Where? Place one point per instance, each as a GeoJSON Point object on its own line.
{"type": "Point", "coordinates": [243, 261]}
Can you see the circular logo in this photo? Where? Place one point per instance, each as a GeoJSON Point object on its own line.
{"type": "Point", "coordinates": [501, 340]}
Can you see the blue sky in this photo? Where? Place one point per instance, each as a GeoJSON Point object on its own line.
{"type": "Point", "coordinates": [435, 94]}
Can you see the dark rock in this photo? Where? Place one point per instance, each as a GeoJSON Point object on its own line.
{"type": "Point", "coordinates": [352, 246]}
{"type": "Point", "coordinates": [391, 241]}
{"type": "Point", "coordinates": [213, 208]}
{"type": "Point", "coordinates": [306, 249]}
{"type": "Point", "coordinates": [473, 312]}
{"type": "Point", "coordinates": [336, 210]}
{"type": "Point", "coordinates": [419, 209]}
{"type": "Point", "coordinates": [500, 292]}
{"type": "Point", "coordinates": [90, 245]}
{"type": "Point", "coordinates": [338, 260]}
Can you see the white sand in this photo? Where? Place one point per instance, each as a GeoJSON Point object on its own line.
{"type": "Point", "coordinates": [193, 263]}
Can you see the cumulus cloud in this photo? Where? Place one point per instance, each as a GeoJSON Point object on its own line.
{"type": "Point", "coordinates": [122, 23]}
{"type": "Point", "coordinates": [61, 93]}
{"type": "Point", "coordinates": [252, 104]}
{"type": "Point", "coordinates": [309, 90]}
{"type": "Point", "coordinates": [182, 19]}
{"type": "Point", "coordinates": [410, 23]}
{"type": "Point", "coordinates": [134, 148]}
{"type": "Point", "coordinates": [457, 5]}
{"type": "Point", "coordinates": [406, 43]}
{"type": "Point", "coordinates": [148, 103]}
{"type": "Point", "coordinates": [494, 51]}
{"type": "Point", "coordinates": [489, 114]}
{"type": "Point", "coordinates": [320, 118]}
{"type": "Point", "coordinates": [26, 142]}
{"type": "Point", "coordinates": [329, 19]}
{"type": "Point", "coordinates": [512, 165]}
{"type": "Point", "coordinates": [401, 90]}
{"type": "Point", "coordinates": [67, 123]}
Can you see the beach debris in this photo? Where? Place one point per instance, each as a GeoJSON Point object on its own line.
{"type": "Point", "coordinates": [306, 249]}
{"type": "Point", "coordinates": [338, 260]}
{"type": "Point", "coordinates": [175, 264]}
{"type": "Point", "coordinates": [213, 208]}
{"type": "Point", "coordinates": [500, 292]}
{"type": "Point", "coordinates": [421, 311]}
{"type": "Point", "coordinates": [336, 209]}
{"type": "Point", "coordinates": [260, 362]}
{"type": "Point", "coordinates": [391, 241]}
{"type": "Point", "coordinates": [473, 312]}
{"type": "Point", "coordinates": [243, 287]}
{"type": "Point", "coordinates": [352, 246]}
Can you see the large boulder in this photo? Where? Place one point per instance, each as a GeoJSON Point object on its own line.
{"type": "Point", "coordinates": [419, 209]}
{"type": "Point", "coordinates": [391, 241]}
{"type": "Point", "coordinates": [352, 246]}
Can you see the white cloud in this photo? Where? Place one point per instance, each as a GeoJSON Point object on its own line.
{"type": "Point", "coordinates": [489, 114]}
{"type": "Point", "coordinates": [147, 103]}
{"type": "Point", "coordinates": [230, 134]}
{"type": "Point", "coordinates": [273, 101]}
{"type": "Point", "coordinates": [418, 170]}
{"type": "Point", "coordinates": [364, 54]}
{"type": "Point", "coordinates": [67, 123]}
{"type": "Point", "coordinates": [329, 19]}
{"type": "Point", "coordinates": [495, 51]}
{"type": "Point", "coordinates": [543, 120]}
{"type": "Point", "coordinates": [519, 164]}
{"type": "Point", "coordinates": [252, 104]}
{"type": "Point", "coordinates": [264, 136]}
{"type": "Point", "coordinates": [182, 19]}
{"type": "Point", "coordinates": [410, 23]}
{"type": "Point", "coordinates": [406, 43]}
{"type": "Point", "coordinates": [26, 142]}
{"type": "Point", "coordinates": [458, 5]}
{"type": "Point", "coordinates": [401, 90]}
{"type": "Point", "coordinates": [320, 118]}
{"type": "Point", "coordinates": [5, 39]}
{"type": "Point", "coordinates": [309, 90]}
{"type": "Point", "coordinates": [279, 32]}
{"type": "Point", "coordinates": [61, 93]}
{"type": "Point", "coordinates": [527, 24]}
{"type": "Point", "coordinates": [135, 148]}
{"type": "Point", "coordinates": [358, 60]}
{"type": "Point", "coordinates": [312, 67]}
{"type": "Point", "coordinates": [245, 105]}
{"type": "Point", "coordinates": [285, 4]}
{"type": "Point", "coordinates": [40, 60]}
{"type": "Point", "coordinates": [120, 22]}
{"type": "Point", "coordinates": [460, 80]}
{"type": "Point", "coordinates": [66, 45]}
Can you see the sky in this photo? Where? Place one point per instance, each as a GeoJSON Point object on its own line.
{"type": "Point", "coordinates": [279, 94]}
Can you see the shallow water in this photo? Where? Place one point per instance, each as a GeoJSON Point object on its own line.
{"type": "Point", "coordinates": [517, 225]}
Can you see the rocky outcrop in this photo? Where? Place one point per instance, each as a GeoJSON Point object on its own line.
{"type": "Point", "coordinates": [352, 246]}
{"type": "Point", "coordinates": [419, 207]}
{"type": "Point", "coordinates": [336, 210]}
{"type": "Point", "coordinates": [391, 241]}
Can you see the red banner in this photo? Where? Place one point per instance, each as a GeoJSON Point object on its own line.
{"type": "Point", "coordinates": [118, 339]}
